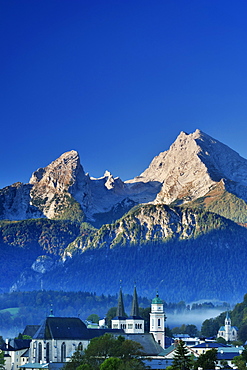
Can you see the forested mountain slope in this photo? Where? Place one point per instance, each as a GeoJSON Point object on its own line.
{"type": "Point", "coordinates": [187, 255]}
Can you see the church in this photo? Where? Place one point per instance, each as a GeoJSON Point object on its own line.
{"type": "Point", "coordinates": [134, 324]}
{"type": "Point", "coordinates": [57, 338]}
{"type": "Point", "coordinates": [228, 332]}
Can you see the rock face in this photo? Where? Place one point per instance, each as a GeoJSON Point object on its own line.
{"type": "Point", "coordinates": [54, 185]}
{"type": "Point", "coordinates": [193, 166]}
{"type": "Point", "coordinates": [15, 203]}
{"type": "Point", "coordinates": [146, 224]}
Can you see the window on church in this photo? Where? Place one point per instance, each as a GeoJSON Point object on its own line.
{"type": "Point", "coordinates": [63, 352]}
{"type": "Point", "coordinates": [158, 322]}
{"type": "Point", "coordinates": [47, 352]}
{"type": "Point", "coordinates": [80, 346]}
{"type": "Point", "coordinates": [40, 352]}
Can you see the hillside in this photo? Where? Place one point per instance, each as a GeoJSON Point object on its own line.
{"type": "Point", "coordinates": [187, 255]}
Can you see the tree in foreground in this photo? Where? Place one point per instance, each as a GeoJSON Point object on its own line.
{"type": "Point", "coordinates": [112, 363]}
{"type": "Point", "coordinates": [182, 359]}
{"type": "Point", "coordinates": [1, 360]}
{"type": "Point", "coordinates": [207, 360]}
{"type": "Point", "coordinates": [109, 352]}
{"type": "Point", "coordinates": [240, 361]}
{"type": "Point", "coordinates": [94, 318]}
{"type": "Point", "coordinates": [75, 361]}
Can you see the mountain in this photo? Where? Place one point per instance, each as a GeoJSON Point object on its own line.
{"type": "Point", "coordinates": [179, 226]}
{"type": "Point", "coordinates": [194, 168]}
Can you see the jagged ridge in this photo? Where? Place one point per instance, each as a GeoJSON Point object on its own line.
{"type": "Point", "coordinates": [194, 165]}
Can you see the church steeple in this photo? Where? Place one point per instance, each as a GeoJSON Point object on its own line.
{"type": "Point", "coordinates": [120, 306]}
{"type": "Point", "coordinates": [135, 307]}
{"type": "Point", "coordinates": [133, 324]}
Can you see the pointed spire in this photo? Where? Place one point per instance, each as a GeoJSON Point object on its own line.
{"type": "Point", "coordinates": [120, 306]}
{"type": "Point", "coordinates": [135, 307]}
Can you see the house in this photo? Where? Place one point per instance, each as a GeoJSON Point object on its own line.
{"type": "Point", "coordinates": [227, 354]}
{"type": "Point", "coordinates": [187, 339]}
{"type": "Point", "coordinates": [228, 332]}
{"type": "Point", "coordinates": [15, 351]}
{"type": "Point", "coordinates": [206, 346]}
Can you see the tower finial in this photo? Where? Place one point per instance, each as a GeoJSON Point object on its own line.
{"type": "Point", "coordinates": [51, 311]}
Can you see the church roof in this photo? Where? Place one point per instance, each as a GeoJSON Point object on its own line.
{"type": "Point", "coordinates": [30, 330]}
{"type": "Point", "coordinates": [62, 328]}
{"type": "Point", "coordinates": [157, 299]}
{"type": "Point", "coordinates": [135, 318]}
{"type": "Point", "coordinates": [222, 328]}
{"type": "Point", "coordinates": [120, 318]}
{"type": "Point", "coordinates": [66, 328]}
{"type": "Point", "coordinates": [146, 340]}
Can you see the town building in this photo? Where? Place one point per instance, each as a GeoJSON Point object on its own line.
{"type": "Point", "coordinates": [15, 353]}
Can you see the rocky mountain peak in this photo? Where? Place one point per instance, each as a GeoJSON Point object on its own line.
{"type": "Point", "coordinates": [193, 163]}
{"type": "Point", "coordinates": [57, 181]}
{"type": "Point", "coordinates": [61, 172]}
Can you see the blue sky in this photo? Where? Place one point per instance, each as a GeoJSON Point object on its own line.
{"type": "Point", "coordinates": [118, 80]}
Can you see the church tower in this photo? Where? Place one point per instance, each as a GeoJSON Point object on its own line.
{"type": "Point", "coordinates": [228, 325]}
{"type": "Point", "coordinates": [135, 323]}
{"type": "Point", "coordinates": [119, 322]}
{"type": "Point", "coordinates": [157, 320]}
